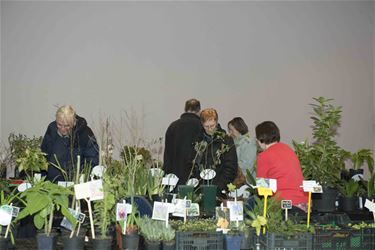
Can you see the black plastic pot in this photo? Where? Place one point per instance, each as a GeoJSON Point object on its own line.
{"type": "Point", "coordinates": [169, 245]}
{"type": "Point", "coordinates": [326, 201]}
{"type": "Point", "coordinates": [152, 245]}
{"type": "Point", "coordinates": [76, 243]}
{"type": "Point", "coordinates": [102, 244]}
{"type": "Point", "coordinates": [45, 242]}
{"type": "Point", "coordinates": [348, 204]}
{"type": "Point", "coordinates": [130, 241]}
{"type": "Point", "coordinates": [233, 242]}
{"type": "Point", "coordinates": [4, 243]}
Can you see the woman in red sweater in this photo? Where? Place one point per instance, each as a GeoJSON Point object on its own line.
{"type": "Point", "coordinates": [278, 161]}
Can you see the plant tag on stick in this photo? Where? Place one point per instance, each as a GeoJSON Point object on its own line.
{"type": "Point", "coordinates": [92, 190]}
{"type": "Point", "coordinates": [235, 210]}
{"type": "Point", "coordinates": [5, 215]}
{"type": "Point", "coordinates": [312, 186]}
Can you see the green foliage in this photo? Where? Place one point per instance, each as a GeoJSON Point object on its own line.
{"type": "Point", "coordinates": [151, 229]}
{"type": "Point", "coordinates": [130, 152]}
{"type": "Point", "coordinates": [274, 218]}
{"type": "Point", "coordinates": [349, 188]}
{"type": "Point", "coordinates": [363, 156]}
{"type": "Point", "coordinates": [32, 160]}
{"type": "Point", "coordinates": [322, 160]}
{"type": "Point", "coordinates": [195, 225]}
{"type": "Point", "coordinates": [167, 233]}
{"type": "Point", "coordinates": [371, 186]}
{"type": "Point", "coordinates": [42, 200]}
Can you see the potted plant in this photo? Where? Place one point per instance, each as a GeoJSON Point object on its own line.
{"type": "Point", "coordinates": [358, 159]}
{"type": "Point", "coordinates": [322, 159]}
{"type": "Point", "coordinates": [348, 200]}
{"type": "Point", "coordinates": [209, 155]}
{"type": "Point", "coordinates": [32, 161]}
{"type": "Point", "coordinates": [168, 235]}
{"type": "Point", "coordinates": [43, 200]}
{"type": "Point", "coordinates": [18, 145]}
{"type": "Point", "coordinates": [7, 198]}
{"type": "Point", "coordinates": [151, 231]}
{"type": "Point", "coordinates": [281, 233]}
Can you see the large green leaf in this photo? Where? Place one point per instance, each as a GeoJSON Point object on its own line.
{"type": "Point", "coordinates": [36, 202]}
{"type": "Point", "coordinates": [38, 221]}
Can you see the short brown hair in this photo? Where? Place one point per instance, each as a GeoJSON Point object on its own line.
{"type": "Point", "coordinates": [209, 114]}
{"type": "Point", "coordinates": [192, 105]}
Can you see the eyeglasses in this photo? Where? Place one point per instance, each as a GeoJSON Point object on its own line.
{"type": "Point", "coordinates": [59, 125]}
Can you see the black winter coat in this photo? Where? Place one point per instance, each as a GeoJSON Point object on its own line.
{"type": "Point", "coordinates": [66, 148]}
{"type": "Point", "coordinates": [226, 166]}
{"type": "Point", "coordinates": [179, 144]}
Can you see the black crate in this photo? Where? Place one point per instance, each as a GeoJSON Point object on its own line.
{"type": "Point", "coordinates": [199, 241]}
{"type": "Point", "coordinates": [281, 241]}
{"type": "Point", "coordinates": [343, 239]}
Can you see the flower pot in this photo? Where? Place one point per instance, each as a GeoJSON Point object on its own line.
{"type": "Point", "coordinates": [102, 243]}
{"type": "Point", "coordinates": [4, 243]}
{"type": "Point", "coordinates": [76, 243]}
{"type": "Point", "coordinates": [348, 204]}
{"type": "Point", "coordinates": [233, 242]}
{"type": "Point", "coordinates": [326, 201]}
{"type": "Point", "coordinates": [209, 199]}
{"type": "Point", "coordinates": [130, 241]}
{"type": "Point", "coordinates": [169, 245]}
{"type": "Point", "coordinates": [185, 191]}
{"type": "Point", "coordinates": [45, 242]}
{"type": "Point", "coordinates": [152, 245]}
{"type": "Point", "coordinates": [247, 240]}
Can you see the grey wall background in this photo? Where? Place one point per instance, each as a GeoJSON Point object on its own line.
{"type": "Point", "coordinates": [258, 60]}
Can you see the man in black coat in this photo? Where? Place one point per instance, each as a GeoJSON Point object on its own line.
{"type": "Point", "coordinates": [179, 141]}
{"type": "Point", "coordinates": [66, 138]}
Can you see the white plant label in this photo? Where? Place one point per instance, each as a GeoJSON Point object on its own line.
{"type": "Point", "coordinates": [193, 182]}
{"type": "Point", "coordinates": [156, 172]}
{"type": "Point", "coordinates": [5, 215]}
{"type": "Point", "coordinates": [15, 211]}
{"type": "Point", "coordinates": [370, 205]}
{"type": "Point", "coordinates": [235, 210]}
{"type": "Point", "coordinates": [24, 186]}
{"type": "Point", "coordinates": [98, 171]}
{"type": "Point", "coordinates": [312, 186]}
{"type": "Point", "coordinates": [160, 211]}
{"type": "Point", "coordinates": [122, 211]}
{"type": "Point", "coordinates": [208, 174]}
{"type": "Point", "coordinates": [180, 207]}
{"type": "Point", "coordinates": [266, 183]}
{"type": "Point", "coordinates": [91, 189]}
{"type": "Point", "coordinates": [170, 180]}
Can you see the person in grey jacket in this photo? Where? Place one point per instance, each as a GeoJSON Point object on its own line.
{"type": "Point", "coordinates": [246, 146]}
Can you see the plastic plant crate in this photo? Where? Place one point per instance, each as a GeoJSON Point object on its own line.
{"type": "Point", "coordinates": [284, 242]}
{"type": "Point", "coordinates": [343, 239]}
{"type": "Point", "coordinates": [199, 241]}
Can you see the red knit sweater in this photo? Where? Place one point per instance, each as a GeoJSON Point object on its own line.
{"type": "Point", "coordinates": [281, 163]}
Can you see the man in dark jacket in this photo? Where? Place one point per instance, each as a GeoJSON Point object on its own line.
{"type": "Point", "coordinates": [218, 151]}
{"type": "Point", "coordinates": [179, 141]}
{"type": "Point", "coordinates": [66, 138]}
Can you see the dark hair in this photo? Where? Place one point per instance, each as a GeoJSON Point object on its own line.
{"type": "Point", "coordinates": [267, 132]}
{"type": "Point", "coordinates": [192, 105]}
{"type": "Point", "coordinates": [239, 124]}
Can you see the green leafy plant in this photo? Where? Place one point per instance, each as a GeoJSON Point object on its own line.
{"type": "Point", "coordinates": [361, 157]}
{"type": "Point", "coordinates": [168, 234]}
{"type": "Point", "coordinates": [195, 225]}
{"type": "Point", "coordinates": [31, 161]}
{"type": "Point", "coordinates": [43, 199]}
{"type": "Point", "coordinates": [151, 229]}
{"type": "Point", "coordinates": [274, 218]}
{"type": "Point", "coordinates": [323, 160]}
{"type": "Point", "coordinates": [10, 197]}
{"type": "Point", "coordinates": [349, 188]}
